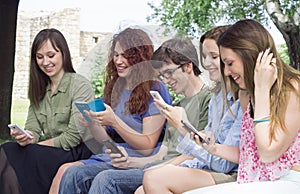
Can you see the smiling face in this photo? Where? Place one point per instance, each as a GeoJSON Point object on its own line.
{"type": "Point", "coordinates": [234, 67]}
{"type": "Point", "coordinates": [121, 63]}
{"type": "Point", "coordinates": [211, 59]}
{"type": "Point", "coordinates": [50, 60]}
{"type": "Point", "coordinates": [178, 80]}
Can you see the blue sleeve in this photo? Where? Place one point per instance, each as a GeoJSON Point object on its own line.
{"type": "Point", "coordinates": [230, 135]}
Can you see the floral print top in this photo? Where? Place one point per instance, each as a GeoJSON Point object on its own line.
{"type": "Point", "coordinates": [251, 168]}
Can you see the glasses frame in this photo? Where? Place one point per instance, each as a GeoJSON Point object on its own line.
{"type": "Point", "coordinates": [163, 76]}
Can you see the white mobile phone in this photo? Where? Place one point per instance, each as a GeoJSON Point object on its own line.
{"type": "Point", "coordinates": [191, 128]}
{"type": "Point", "coordinates": [113, 147]}
{"type": "Point", "coordinates": [20, 129]}
{"type": "Point", "coordinates": [81, 107]}
{"type": "Point", "coordinates": [156, 95]}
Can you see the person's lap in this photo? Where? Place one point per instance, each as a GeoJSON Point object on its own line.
{"type": "Point", "coordinates": [117, 181]}
{"type": "Point", "coordinates": [80, 177]}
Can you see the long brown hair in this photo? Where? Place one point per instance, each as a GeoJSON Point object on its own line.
{"type": "Point", "coordinates": [138, 50]}
{"type": "Point", "coordinates": [247, 38]}
{"type": "Point", "coordinates": [38, 80]}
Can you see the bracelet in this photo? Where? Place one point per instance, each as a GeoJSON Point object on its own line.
{"type": "Point", "coordinates": [263, 119]}
{"type": "Point", "coordinates": [260, 120]}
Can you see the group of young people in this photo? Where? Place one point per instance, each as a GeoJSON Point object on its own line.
{"type": "Point", "coordinates": [248, 140]}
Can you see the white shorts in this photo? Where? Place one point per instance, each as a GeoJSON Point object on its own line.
{"type": "Point", "coordinates": [289, 184]}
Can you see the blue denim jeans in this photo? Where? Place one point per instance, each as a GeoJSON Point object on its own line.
{"type": "Point", "coordinates": [102, 179]}
{"type": "Point", "coordinates": [117, 181]}
{"type": "Point", "coordinates": [78, 179]}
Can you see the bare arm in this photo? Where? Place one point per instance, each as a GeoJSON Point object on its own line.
{"type": "Point", "coordinates": [264, 77]}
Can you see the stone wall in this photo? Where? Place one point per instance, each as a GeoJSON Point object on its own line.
{"type": "Point", "coordinates": [30, 23]}
{"type": "Point", "coordinates": [88, 49]}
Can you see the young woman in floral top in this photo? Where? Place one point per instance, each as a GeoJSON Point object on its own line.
{"type": "Point", "coordinates": [270, 137]}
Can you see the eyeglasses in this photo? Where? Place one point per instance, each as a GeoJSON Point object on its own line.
{"type": "Point", "coordinates": [168, 73]}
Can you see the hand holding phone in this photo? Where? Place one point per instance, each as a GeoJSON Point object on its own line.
{"type": "Point", "coordinates": [191, 128]}
{"type": "Point", "coordinates": [110, 144]}
{"type": "Point", "coordinates": [82, 106]}
{"type": "Point", "coordinates": [156, 95]}
{"type": "Point", "coordinates": [95, 105]}
{"type": "Point", "coordinates": [20, 129]}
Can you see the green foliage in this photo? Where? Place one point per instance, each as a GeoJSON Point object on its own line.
{"type": "Point", "coordinates": [98, 84]}
{"type": "Point", "coordinates": [283, 52]}
{"type": "Point", "coordinates": [192, 17]}
{"type": "Point", "coordinates": [175, 97]}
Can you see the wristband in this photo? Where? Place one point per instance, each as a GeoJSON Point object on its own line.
{"type": "Point", "coordinates": [260, 120]}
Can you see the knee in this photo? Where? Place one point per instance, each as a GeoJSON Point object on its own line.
{"type": "Point", "coordinates": [69, 172]}
{"type": "Point", "coordinates": [104, 182]}
{"type": "Point", "coordinates": [104, 179]}
{"type": "Point", "coordinates": [150, 177]}
{"type": "Point", "coordinates": [63, 168]}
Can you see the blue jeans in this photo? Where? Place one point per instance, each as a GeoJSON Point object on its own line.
{"type": "Point", "coordinates": [94, 179]}
{"type": "Point", "coordinates": [117, 181]}
{"type": "Point", "coordinates": [78, 179]}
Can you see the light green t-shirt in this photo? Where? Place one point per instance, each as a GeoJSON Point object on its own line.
{"type": "Point", "coordinates": [196, 108]}
{"type": "Point", "coordinates": [57, 115]}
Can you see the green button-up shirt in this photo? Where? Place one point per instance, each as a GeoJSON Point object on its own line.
{"type": "Point", "coordinates": [57, 116]}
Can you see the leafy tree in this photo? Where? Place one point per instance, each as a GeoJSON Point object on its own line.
{"type": "Point", "coordinates": [8, 23]}
{"type": "Point", "coordinates": [195, 16]}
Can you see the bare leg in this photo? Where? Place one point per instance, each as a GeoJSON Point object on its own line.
{"type": "Point", "coordinates": [175, 179]}
{"type": "Point", "coordinates": [56, 180]}
{"type": "Point", "coordinates": [139, 190]}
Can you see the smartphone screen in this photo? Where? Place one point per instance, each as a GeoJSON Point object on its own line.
{"type": "Point", "coordinates": [191, 128]}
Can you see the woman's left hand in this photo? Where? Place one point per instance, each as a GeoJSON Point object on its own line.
{"type": "Point", "coordinates": [265, 73]}
{"type": "Point", "coordinates": [104, 118]}
{"type": "Point", "coordinates": [210, 146]}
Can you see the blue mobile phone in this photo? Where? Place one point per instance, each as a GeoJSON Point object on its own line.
{"type": "Point", "coordinates": [82, 106]}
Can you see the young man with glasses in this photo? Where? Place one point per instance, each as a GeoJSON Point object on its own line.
{"type": "Point", "coordinates": [177, 64]}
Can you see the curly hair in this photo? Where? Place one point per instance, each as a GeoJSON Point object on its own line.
{"type": "Point", "coordinates": [138, 50]}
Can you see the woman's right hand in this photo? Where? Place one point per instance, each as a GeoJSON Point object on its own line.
{"type": "Point", "coordinates": [82, 121]}
{"type": "Point", "coordinates": [265, 73]}
{"type": "Point", "coordinates": [22, 139]}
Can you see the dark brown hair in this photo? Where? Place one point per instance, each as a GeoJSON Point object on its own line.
{"type": "Point", "coordinates": [179, 51]}
{"type": "Point", "coordinates": [38, 80]}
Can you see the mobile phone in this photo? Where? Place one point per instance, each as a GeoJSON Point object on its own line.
{"type": "Point", "coordinates": [110, 144]}
{"type": "Point", "coordinates": [97, 105]}
{"type": "Point", "coordinates": [20, 129]}
{"type": "Point", "coordinates": [82, 106]}
{"type": "Point", "coordinates": [156, 95]}
{"type": "Point", "coordinates": [191, 128]}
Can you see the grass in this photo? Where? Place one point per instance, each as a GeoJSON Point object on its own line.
{"type": "Point", "coordinates": [18, 113]}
